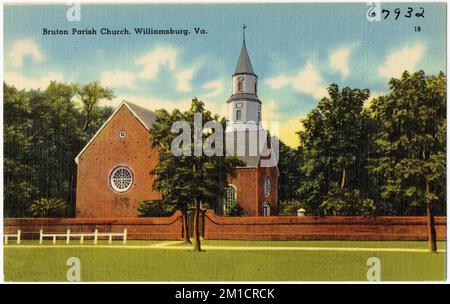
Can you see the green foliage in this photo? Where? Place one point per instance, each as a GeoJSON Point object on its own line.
{"type": "Point", "coordinates": [152, 208]}
{"type": "Point", "coordinates": [388, 159]}
{"type": "Point", "coordinates": [336, 144]}
{"type": "Point", "coordinates": [290, 207]}
{"type": "Point", "coordinates": [43, 132]}
{"type": "Point", "coordinates": [290, 175]}
{"type": "Point", "coordinates": [90, 94]}
{"type": "Point", "coordinates": [234, 210]}
{"type": "Point", "coordinates": [411, 142]}
{"type": "Point", "coordinates": [184, 179]}
{"type": "Point", "coordinates": [50, 207]}
{"type": "Point", "coordinates": [347, 203]}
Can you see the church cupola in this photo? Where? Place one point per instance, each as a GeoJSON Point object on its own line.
{"type": "Point", "coordinates": [244, 105]}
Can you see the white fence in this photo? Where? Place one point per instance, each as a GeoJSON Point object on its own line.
{"type": "Point", "coordinates": [16, 236]}
{"type": "Point", "coordinates": [82, 236]}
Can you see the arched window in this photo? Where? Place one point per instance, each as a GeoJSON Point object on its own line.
{"type": "Point", "coordinates": [240, 86]}
{"type": "Point", "coordinates": [267, 186]}
{"type": "Point", "coordinates": [238, 115]}
{"type": "Point", "coordinates": [121, 179]}
{"type": "Point", "coordinates": [230, 197]}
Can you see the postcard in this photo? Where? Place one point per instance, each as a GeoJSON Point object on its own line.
{"type": "Point", "coordinates": [224, 142]}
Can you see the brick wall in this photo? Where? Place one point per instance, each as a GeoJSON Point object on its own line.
{"type": "Point", "coordinates": [272, 173]}
{"type": "Point", "coordinates": [243, 228]}
{"type": "Point", "coordinates": [95, 197]}
{"type": "Point", "coordinates": [319, 228]}
{"type": "Point", "coordinates": [162, 228]}
{"type": "Point", "coordinates": [246, 183]}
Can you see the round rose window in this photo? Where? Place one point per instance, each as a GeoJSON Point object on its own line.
{"type": "Point", "coordinates": [121, 179]}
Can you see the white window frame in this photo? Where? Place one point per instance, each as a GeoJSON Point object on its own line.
{"type": "Point", "coordinates": [227, 201]}
{"type": "Point", "coordinates": [114, 185]}
{"type": "Point", "coordinates": [240, 86]}
{"type": "Point", "coordinates": [266, 209]}
{"type": "Point", "coordinates": [122, 134]}
{"type": "Point", "coordinates": [267, 186]}
{"type": "Point", "coordinates": [240, 115]}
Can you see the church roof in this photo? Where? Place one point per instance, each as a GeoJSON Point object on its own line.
{"type": "Point", "coordinates": [145, 116]}
{"type": "Point", "coordinates": [244, 96]}
{"type": "Point", "coordinates": [244, 65]}
{"type": "Point", "coordinates": [249, 161]}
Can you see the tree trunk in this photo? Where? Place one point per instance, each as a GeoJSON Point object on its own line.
{"type": "Point", "coordinates": [431, 227]}
{"type": "Point", "coordinates": [186, 228]}
{"type": "Point", "coordinates": [343, 179]}
{"type": "Point", "coordinates": [197, 246]}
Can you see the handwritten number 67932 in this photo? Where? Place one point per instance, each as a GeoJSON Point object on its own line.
{"type": "Point", "coordinates": [409, 13]}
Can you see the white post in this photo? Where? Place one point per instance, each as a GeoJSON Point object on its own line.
{"type": "Point", "coordinates": [110, 238]}
{"type": "Point", "coordinates": [41, 236]}
{"type": "Point", "coordinates": [81, 239]}
{"type": "Point", "coordinates": [95, 236]}
{"type": "Point", "coordinates": [68, 236]}
{"type": "Point", "coordinates": [124, 236]}
{"type": "Point", "coordinates": [54, 239]}
{"type": "Point", "coordinates": [6, 240]}
{"type": "Point", "coordinates": [18, 236]}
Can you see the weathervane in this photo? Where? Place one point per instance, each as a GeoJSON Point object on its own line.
{"type": "Point", "coordinates": [243, 32]}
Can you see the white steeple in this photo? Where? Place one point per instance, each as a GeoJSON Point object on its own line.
{"type": "Point", "coordinates": [244, 105]}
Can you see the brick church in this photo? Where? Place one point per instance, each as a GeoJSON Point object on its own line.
{"type": "Point", "coordinates": [114, 168]}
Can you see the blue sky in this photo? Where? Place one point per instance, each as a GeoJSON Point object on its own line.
{"type": "Point", "coordinates": [295, 49]}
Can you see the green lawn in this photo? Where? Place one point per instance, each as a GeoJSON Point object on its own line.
{"type": "Point", "coordinates": [132, 263]}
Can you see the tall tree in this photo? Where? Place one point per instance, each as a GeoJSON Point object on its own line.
{"type": "Point", "coordinates": [19, 173]}
{"type": "Point", "coordinates": [335, 143]}
{"type": "Point", "coordinates": [43, 134]}
{"type": "Point", "coordinates": [184, 177]}
{"type": "Point", "coordinates": [290, 176]}
{"type": "Point", "coordinates": [412, 143]}
{"type": "Point", "coordinates": [90, 94]}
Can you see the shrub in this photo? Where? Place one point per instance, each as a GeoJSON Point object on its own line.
{"type": "Point", "coordinates": [151, 208]}
{"type": "Point", "coordinates": [50, 207]}
{"type": "Point", "coordinates": [233, 210]}
{"type": "Point", "coordinates": [347, 203]}
{"type": "Point", "coordinates": [290, 207]}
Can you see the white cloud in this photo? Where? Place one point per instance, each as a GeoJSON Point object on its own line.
{"type": "Point", "coordinates": [269, 110]}
{"type": "Point", "coordinates": [23, 82]}
{"type": "Point", "coordinates": [118, 79]}
{"type": "Point", "coordinates": [215, 88]}
{"type": "Point", "coordinates": [184, 78]}
{"type": "Point", "coordinates": [309, 81]}
{"type": "Point", "coordinates": [402, 59]}
{"type": "Point", "coordinates": [153, 61]}
{"type": "Point", "coordinates": [338, 60]}
{"type": "Point", "coordinates": [22, 48]}
{"type": "Point", "coordinates": [279, 81]}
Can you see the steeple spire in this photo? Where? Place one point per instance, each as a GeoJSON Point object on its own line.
{"type": "Point", "coordinates": [244, 65]}
{"type": "Point", "coordinates": [243, 104]}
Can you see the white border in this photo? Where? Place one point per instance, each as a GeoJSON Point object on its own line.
{"type": "Point", "coordinates": [202, 2]}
